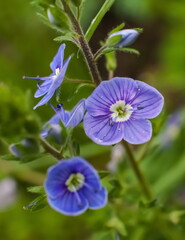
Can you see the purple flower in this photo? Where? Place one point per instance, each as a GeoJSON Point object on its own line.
{"type": "Point", "coordinates": [69, 119]}
{"type": "Point", "coordinates": [119, 108]}
{"type": "Point", "coordinates": [52, 82]}
{"type": "Point", "coordinates": [72, 186]}
{"type": "Point", "coordinates": [127, 37]}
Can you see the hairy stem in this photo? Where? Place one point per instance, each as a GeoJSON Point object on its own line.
{"type": "Point", "coordinates": [84, 45]}
{"type": "Point", "coordinates": [48, 148]}
{"type": "Point", "coordinates": [137, 171]}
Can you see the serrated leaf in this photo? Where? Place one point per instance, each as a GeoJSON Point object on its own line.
{"type": "Point", "coordinates": [37, 204]}
{"type": "Point", "coordinates": [118, 28]}
{"type": "Point", "coordinates": [36, 189]}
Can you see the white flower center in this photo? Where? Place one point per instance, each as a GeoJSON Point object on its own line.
{"type": "Point", "coordinates": [121, 111]}
{"type": "Point", "coordinates": [57, 71]}
{"type": "Point", "coordinates": [75, 182]}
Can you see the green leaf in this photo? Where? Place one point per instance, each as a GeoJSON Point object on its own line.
{"type": "Point", "coordinates": [113, 49]}
{"type": "Point", "coordinates": [111, 61]}
{"type": "Point", "coordinates": [104, 235]}
{"type": "Point", "coordinates": [67, 37]}
{"type": "Point", "coordinates": [96, 21]}
{"type": "Point", "coordinates": [103, 174]}
{"type": "Point", "coordinates": [118, 225]}
{"type": "Point", "coordinates": [113, 41]}
{"type": "Point", "coordinates": [77, 3]}
{"type": "Point", "coordinates": [85, 87]}
{"type": "Point", "coordinates": [118, 28]}
{"type": "Point", "coordinates": [175, 216]}
{"type": "Point", "coordinates": [37, 204]}
{"type": "Point", "coordinates": [36, 189]}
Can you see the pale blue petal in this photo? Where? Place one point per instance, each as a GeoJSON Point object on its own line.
{"type": "Point", "coordinates": [137, 131]}
{"type": "Point", "coordinates": [45, 99]}
{"type": "Point", "coordinates": [96, 199]}
{"type": "Point", "coordinates": [148, 102]}
{"type": "Point", "coordinates": [76, 115]}
{"type": "Point", "coordinates": [57, 80]}
{"type": "Point", "coordinates": [108, 93]}
{"type": "Point", "coordinates": [70, 203]}
{"type": "Point", "coordinates": [102, 130]}
{"type": "Point", "coordinates": [57, 61]}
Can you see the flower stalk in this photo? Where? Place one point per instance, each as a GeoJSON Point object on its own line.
{"type": "Point", "coordinates": [138, 172]}
{"type": "Point", "coordinates": [84, 45]}
{"type": "Point", "coordinates": [50, 149]}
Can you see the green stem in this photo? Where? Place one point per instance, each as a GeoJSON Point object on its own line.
{"type": "Point", "coordinates": [48, 148]}
{"type": "Point", "coordinates": [137, 171]}
{"type": "Point", "coordinates": [84, 45]}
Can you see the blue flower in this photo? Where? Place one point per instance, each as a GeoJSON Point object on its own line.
{"type": "Point", "coordinates": [52, 82]}
{"type": "Point", "coordinates": [69, 119]}
{"type": "Point", "coordinates": [127, 37]}
{"type": "Point", "coordinates": [119, 108]}
{"type": "Point", "coordinates": [72, 186]}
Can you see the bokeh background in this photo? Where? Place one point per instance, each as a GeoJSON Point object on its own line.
{"type": "Point", "coordinates": [27, 48]}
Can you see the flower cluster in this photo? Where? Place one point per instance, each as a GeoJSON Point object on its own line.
{"type": "Point", "coordinates": [117, 109]}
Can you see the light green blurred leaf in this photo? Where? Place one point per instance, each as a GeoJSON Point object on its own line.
{"type": "Point", "coordinates": [96, 21]}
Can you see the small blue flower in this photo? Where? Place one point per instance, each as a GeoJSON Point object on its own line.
{"type": "Point", "coordinates": [119, 108]}
{"type": "Point", "coordinates": [69, 119]}
{"type": "Point", "coordinates": [52, 82]}
{"type": "Point", "coordinates": [72, 186]}
{"type": "Point", "coordinates": [128, 36]}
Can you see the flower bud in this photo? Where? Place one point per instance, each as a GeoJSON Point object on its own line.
{"type": "Point", "coordinates": [123, 38]}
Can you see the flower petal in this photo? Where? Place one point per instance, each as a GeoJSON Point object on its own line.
{"type": "Point", "coordinates": [76, 114]}
{"type": "Point", "coordinates": [57, 61]}
{"type": "Point", "coordinates": [108, 93]}
{"type": "Point", "coordinates": [57, 80]}
{"type": "Point", "coordinates": [43, 89]}
{"type": "Point", "coordinates": [148, 102]}
{"type": "Point", "coordinates": [137, 131]}
{"type": "Point", "coordinates": [96, 199]}
{"type": "Point", "coordinates": [102, 131]}
{"type": "Point", "coordinates": [56, 178]}
{"type": "Point", "coordinates": [70, 203]}
{"type": "Point", "coordinates": [45, 99]}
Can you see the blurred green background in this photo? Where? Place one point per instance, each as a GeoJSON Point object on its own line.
{"type": "Point", "coordinates": [27, 48]}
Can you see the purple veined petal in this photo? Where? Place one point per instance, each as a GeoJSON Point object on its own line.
{"type": "Point", "coordinates": [45, 99]}
{"type": "Point", "coordinates": [108, 93]}
{"type": "Point", "coordinates": [70, 203]}
{"type": "Point", "coordinates": [102, 131]}
{"type": "Point", "coordinates": [62, 114]}
{"type": "Point", "coordinates": [56, 178]}
{"type": "Point", "coordinates": [96, 199]}
{"type": "Point", "coordinates": [90, 174]}
{"type": "Point", "coordinates": [38, 78]}
{"type": "Point", "coordinates": [43, 89]}
{"type": "Point", "coordinates": [148, 102]}
{"type": "Point", "coordinates": [54, 120]}
{"type": "Point", "coordinates": [57, 61]}
{"type": "Point", "coordinates": [137, 131]}
{"type": "Point", "coordinates": [76, 114]}
{"type": "Point", "coordinates": [57, 81]}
